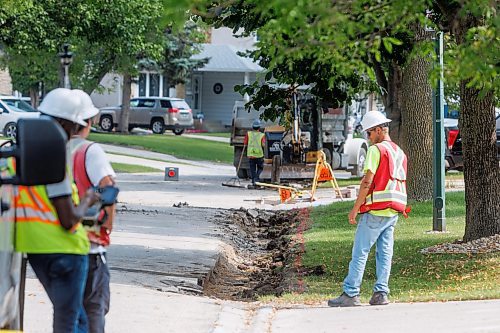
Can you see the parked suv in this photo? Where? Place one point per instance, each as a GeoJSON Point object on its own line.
{"type": "Point", "coordinates": [11, 110]}
{"type": "Point", "coordinates": [156, 113]}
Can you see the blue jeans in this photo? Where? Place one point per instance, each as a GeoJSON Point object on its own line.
{"type": "Point", "coordinates": [256, 167]}
{"type": "Point", "coordinates": [371, 230]}
{"type": "Point", "coordinates": [63, 276]}
{"type": "Point", "coordinates": [96, 296]}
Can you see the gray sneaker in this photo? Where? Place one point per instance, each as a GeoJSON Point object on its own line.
{"type": "Point", "coordinates": [379, 298]}
{"type": "Point", "coordinates": [344, 300]}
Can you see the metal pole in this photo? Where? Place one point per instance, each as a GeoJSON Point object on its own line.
{"type": "Point", "coordinates": [66, 77]}
{"type": "Point", "coordinates": [439, 219]}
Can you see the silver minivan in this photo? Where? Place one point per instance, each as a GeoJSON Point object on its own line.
{"type": "Point", "coordinates": [155, 113]}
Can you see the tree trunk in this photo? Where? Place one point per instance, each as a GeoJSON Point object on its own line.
{"type": "Point", "coordinates": [393, 101]}
{"type": "Point", "coordinates": [126, 93]}
{"type": "Point", "coordinates": [34, 96]}
{"type": "Point", "coordinates": [481, 170]}
{"type": "Point", "coordinates": [416, 118]}
{"type": "Point", "coordinates": [416, 131]}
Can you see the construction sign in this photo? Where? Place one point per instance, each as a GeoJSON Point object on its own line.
{"type": "Point", "coordinates": [324, 173]}
{"type": "Point", "coordinates": [285, 194]}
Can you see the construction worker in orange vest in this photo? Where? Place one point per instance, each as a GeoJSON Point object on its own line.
{"type": "Point", "coordinates": [382, 196]}
{"type": "Point", "coordinates": [48, 225]}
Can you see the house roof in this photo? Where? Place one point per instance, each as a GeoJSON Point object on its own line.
{"type": "Point", "coordinates": [224, 58]}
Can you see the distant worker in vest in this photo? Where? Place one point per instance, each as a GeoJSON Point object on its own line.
{"type": "Point", "coordinates": [91, 168]}
{"type": "Point", "coordinates": [382, 196]}
{"type": "Point", "coordinates": [48, 226]}
{"type": "Point", "coordinates": [255, 141]}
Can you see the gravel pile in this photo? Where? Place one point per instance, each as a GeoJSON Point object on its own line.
{"type": "Point", "coordinates": [481, 245]}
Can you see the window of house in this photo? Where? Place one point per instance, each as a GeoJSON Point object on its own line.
{"type": "Point", "coordinates": [154, 84]}
{"type": "Point", "coordinates": [166, 86]}
{"type": "Point", "coordinates": [142, 84]}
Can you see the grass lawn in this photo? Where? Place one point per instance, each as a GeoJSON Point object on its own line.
{"type": "Point", "coordinates": [356, 180]}
{"type": "Point", "coordinates": [178, 146]}
{"type": "Point", "coordinates": [132, 168]}
{"type": "Point", "coordinates": [219, 134]}
{"type": "Point", "coordinates": [415, 276]}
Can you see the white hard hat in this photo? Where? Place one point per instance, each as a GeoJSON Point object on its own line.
{"type": "Point", "coordinates": [72, 105]}
{"type": "Point", "coordinates": [87, 110]}
{"type": "Point", "coordinates": [372, 119]}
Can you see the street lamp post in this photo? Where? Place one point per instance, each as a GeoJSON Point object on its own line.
{"type": "Point", "coordinates": [439, 219]}
{"type": "Point", "coordinates": [66, 58]}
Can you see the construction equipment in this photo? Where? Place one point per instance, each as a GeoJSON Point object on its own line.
{"type": "Point", "coordinates": [292, 150]}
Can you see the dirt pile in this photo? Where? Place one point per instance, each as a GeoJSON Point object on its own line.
{"type": "Point", "coordinates": [260, 248]}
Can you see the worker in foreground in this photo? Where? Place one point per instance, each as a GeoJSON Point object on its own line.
{"type": "Point", "coordinates": [255, 141]}
{"type": "Point", "coordinates": [49, 228]}
{"type": "Point", "coordinates": [382, 196]}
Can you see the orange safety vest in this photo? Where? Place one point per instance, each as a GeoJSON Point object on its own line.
{"type": "Point", "coordinates": [96, 234]}
{"type": "Point", "coordinates": [388, 189]}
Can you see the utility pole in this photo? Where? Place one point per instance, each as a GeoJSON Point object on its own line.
{"type": "Point", "coordinates": [439, 218]}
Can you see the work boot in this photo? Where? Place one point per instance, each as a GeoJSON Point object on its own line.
{"type": "Point", "coordinates": [379, 298]}
{"type": "Point", "coordinates": [344, 300]}
{"type": "Point", "coordinates": [251, 186]}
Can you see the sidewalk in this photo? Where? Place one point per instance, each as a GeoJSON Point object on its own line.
{"type": "Point", "coordinates": [136, 309]}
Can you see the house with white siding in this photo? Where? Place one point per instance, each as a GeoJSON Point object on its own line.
{"type": "Point", "coordinates": [210, 92]}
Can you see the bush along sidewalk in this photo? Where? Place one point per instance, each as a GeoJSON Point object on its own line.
{"type": "Point", "coordinates": [417, 274]}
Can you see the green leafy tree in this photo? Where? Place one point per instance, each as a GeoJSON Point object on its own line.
{"type": "Point", "coordinates": [180, 44]}
{"type": "Point", "coordinates": [105, 36]}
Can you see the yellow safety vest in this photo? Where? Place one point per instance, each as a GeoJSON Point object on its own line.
{"type": "Point", "coordinates": [254, 148]}
{"type": "Point", "coordinates": [38, 229]}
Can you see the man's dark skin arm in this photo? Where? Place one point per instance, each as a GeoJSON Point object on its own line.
{"type": "Point", "coordinates": [366, 182]}
{"type": "Point", "coordinates": [68, 214]}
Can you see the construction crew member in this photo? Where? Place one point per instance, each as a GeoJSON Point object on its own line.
{"type": "Point", "coordinates": [255, 141]}
{"type": "Point", "coordinates": [382, 196]}
{"type": "Point", "coordinates": [48, 225]}
{"type": "Point", "coordinates": [92, 168]}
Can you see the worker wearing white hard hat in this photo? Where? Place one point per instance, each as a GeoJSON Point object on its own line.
{"type": "Point", "coordinates": [91, 168]}
{"type": "Point", "coordinates": [373, 119]}
{"type": "Point", "coordinates": [54, 239]}
{"type": "Point", "coordinates": [382, 195]}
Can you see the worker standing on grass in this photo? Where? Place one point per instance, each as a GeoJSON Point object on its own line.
{"type": "Point", "coordinates": [91, 168]}
{"type": "Point", "coordinates": [48, 225]}
{"type": "Point", "coordinates": [382, 195]}
{"type": "Point", "coordinates": [255, 141]}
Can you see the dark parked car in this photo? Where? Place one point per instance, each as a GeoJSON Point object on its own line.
{"type": "Point", "coordinates": [453, 152]}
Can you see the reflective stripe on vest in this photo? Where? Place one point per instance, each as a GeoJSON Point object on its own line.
{"type": "Point", "coordinates": [254, 148]}
{"type": "Point", "coordinates": [388, 188]}
{"type": "Point", "coordinates": [38, 229]}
